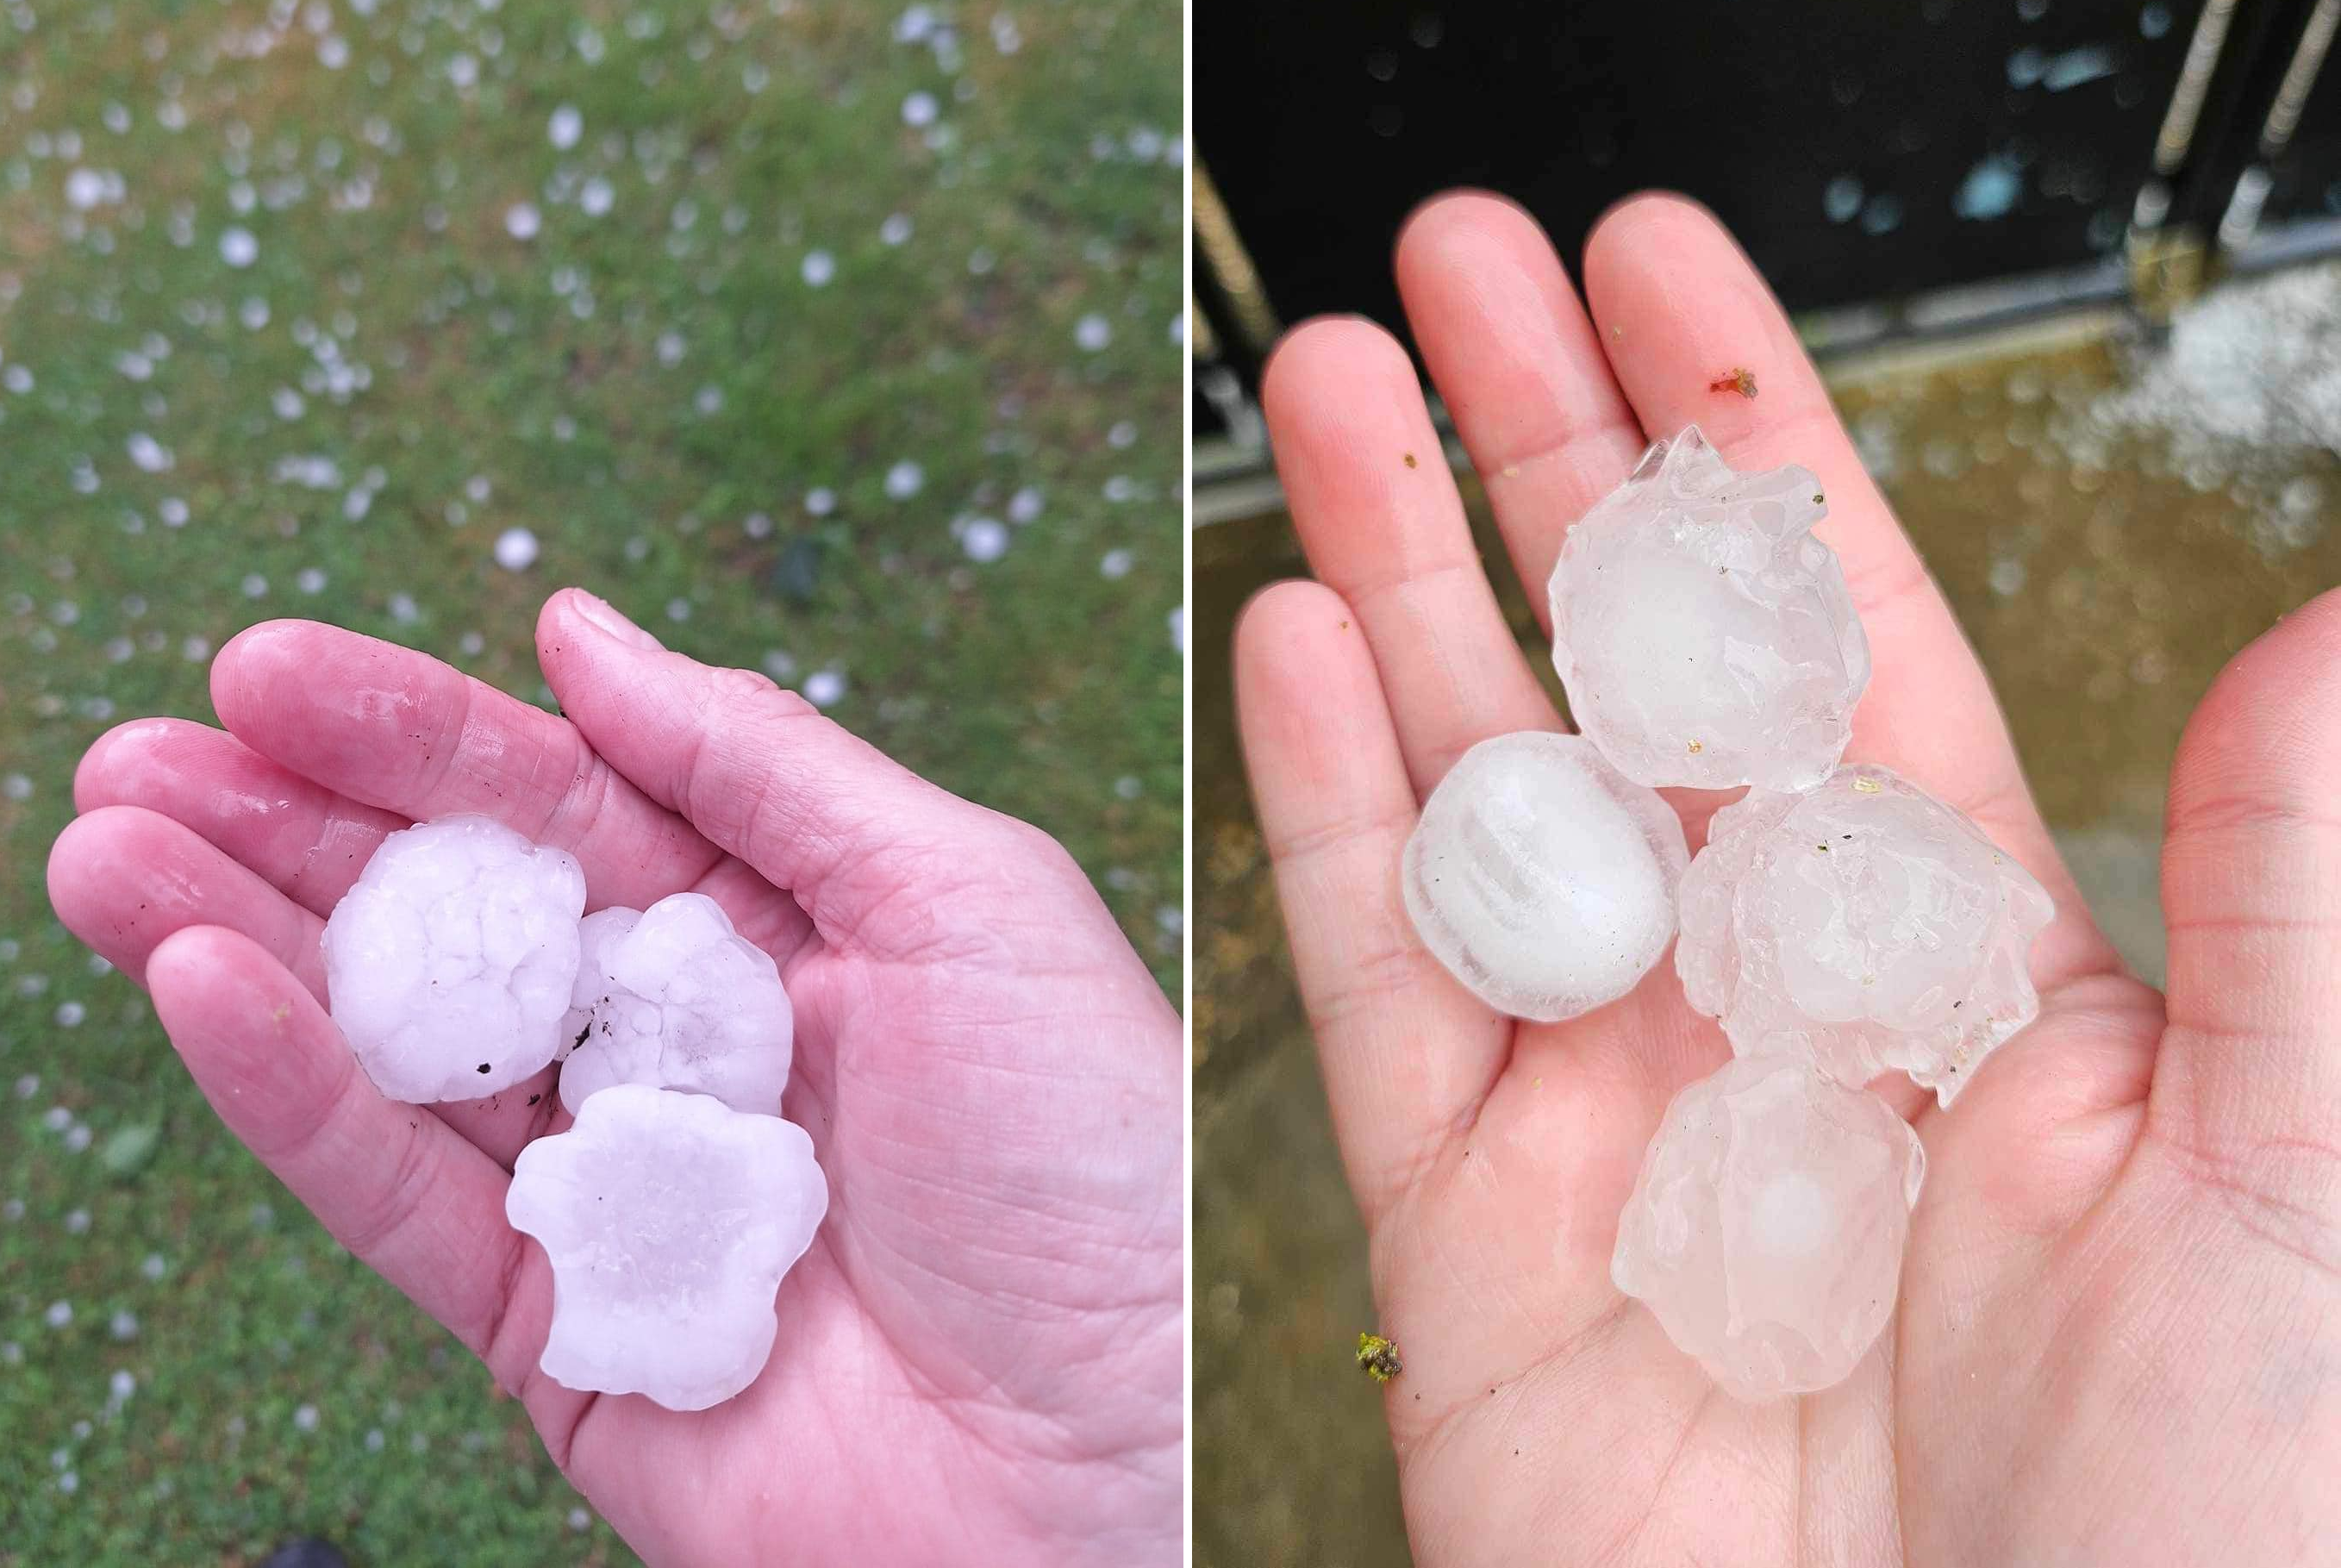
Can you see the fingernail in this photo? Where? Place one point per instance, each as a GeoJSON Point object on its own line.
{"type": "Point", "coordinates": [599, 613]}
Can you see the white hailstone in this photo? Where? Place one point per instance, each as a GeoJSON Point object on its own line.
{"type": "Point", "coordinates": [150, 454]}
{"type": "Point", "coordinates": [238, 248]}
{"type": "Point", "coordinates": [904, 480]}
{"type": "Point", "coordinates": [594, 196]}
{"type": "Point", "coordinates": [84, 189]}
{"type": "Point", "coordinates": [59, 1315]}
{"type": "Point", "coordinates": [1863, 925]}
{"type": "Point", "coordinates": [1766, 1230]}
{"type": "Point", "coordinates": [819, 268]}
{"type": "Point", "coordinates": [152, 1266]}
{"type": "Point", "coordinates": [77, 1137]}
{"type": "Point", "coordinates": [896, 229]}
{"type": "Point", "coordinates": [522, 220]}
{"type": "Point", "coordinates": [121, 1386]}
{"type": "Point", "coordinates": [565, 127]}
{"type": "Point", "coordinates": [70, 1015]}
{"type": "Point", "coordinates": [920, 109]}
{"type": "Point", "coordinates": [1116, 564]}
{"type": "Point", "coordinates": [309, 580]}
{"type": "Point", "coordinates": [985, 539]}
{"type": "Point", "coordinates": [123, 1325]}
{"type": "Point", "coordinates": [1705, 638]}
{"type": "Point", "coordinates": [515, 549]}
{"type": "Point", "coordinates": [450, 964]}
{"type": "Point", "coordinates": [669, 1220]}
{"type": "Point", "coordinates": [306, 1418]}
{"type": "Point", "coordinates": [825, 688]}
{"type": "Point", "coordinates": [674, 997]}
{"type": "Point", "coordinates": [1024, 505]}
{"type": "Point", "coordinates": [173, 512]}
{"type": "Point", "coordinates": [1093, 332]}
{"type": "Point", "coordinates": [1542, 878]}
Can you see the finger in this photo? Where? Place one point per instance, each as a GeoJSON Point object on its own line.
{"type": "Point", "coordinates": [1678, 305]}
{"type": "Point", "coordinates": [125, 880]}
{"type": "Point", "coordinates": [1379, 516]}
{"type": "Point", "coordinates": [2250, 1073]}
{"type": "Point", "coordinates": [304, 840]}
{"type": "Point", "coordinates": [1406, 1052]}
{"type": "Point", "coordinates": [1521, 373]}
{"type": "Point", "coordinates": [398, 1188]}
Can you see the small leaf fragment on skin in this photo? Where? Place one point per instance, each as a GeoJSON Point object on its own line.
{"type": "Point", "coordinates": [1378, 1357]}
{"type": "Point", "coordinates": [1738, 379]}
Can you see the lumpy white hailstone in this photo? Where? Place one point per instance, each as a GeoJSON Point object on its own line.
{"type": "Point", "coordinates": [669, 1220]}
{"type": "Point", "coordinates": [1766, 1230]}
{"type": "Point", "coordinates": [1861, 926]}
{"type": "Point", "coordinates": [674, 997]}
{"type": "Point", "coordinates": [450, 964]}
{"type": "Point", "coordinates": [1543, 880]}
{"type": "Point", "coordinates": [1704, 636]}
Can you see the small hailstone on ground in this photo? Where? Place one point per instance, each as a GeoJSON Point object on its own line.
{"type": "Point", "coordinates": [515, 549]}
{"type": "Point", "coordinates": [1542, 879]}
{"type": "Point", "coordinates": [1863, 925]}
{"type": "Point", "coordinates": [669, 1220]}
{"type": "Point", "coordinates": [238, 248]}
{"type": "Point", "coordinates": [1766, 1230]}
{"type": "Point", "coordinates": [522, 220]}
{"type": "Point", "coordinates": [566, 126]}
{"type": "Point", "coordinates": [825, 688]}
{"type": "Point", "coordinates": [674, 997]}
{"type": "Point", "coordinates": [984, 539]}
{"type": "Point", "coordinates": [1705, 638]}
{"type": "Point", "coordinates": [450, 964]}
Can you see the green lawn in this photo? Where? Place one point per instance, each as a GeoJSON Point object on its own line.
{"type": "Point", "coordinates": [795, 248]}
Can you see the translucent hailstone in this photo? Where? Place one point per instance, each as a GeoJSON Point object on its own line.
{"type": "Point", "coordinates": [1540, 878]}
{"type": "Point", "coordinates": [1862, 926]}
{"type": "Point", "coordinates": [672, 996]}
{"type": "Point", "coordinates": [1767, 1227]}
{"type": "Point", "coordinates": [669, 1220]}
{"type": "Point", "coordinates": [450, 962]}
{"type": "Point", "coordinates": [1705, 638]}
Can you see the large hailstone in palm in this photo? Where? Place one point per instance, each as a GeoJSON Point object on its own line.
{"type": "Point", "coordinates": [1704, 636]}
{"type": "Point", "coordinates": [673, 996]}
{"type": "Point", "coordinates": [1542, 880]}
{"type": "Point", "coordinates": [450, 962]}
{"type": "Point", "coordinates": [1862, 926]}
{"type": "Point", "coordinates": [1767, 1228]}
{"type": "Point", "coordinates": [669, 1218]}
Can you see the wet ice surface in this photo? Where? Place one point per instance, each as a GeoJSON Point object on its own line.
{"type": "Point", "coordinates": [1863, 925]}
{"type": "Point", "coordinates": [669, 1218]}
{"type": "Point", "coordinates": [1766, 1230]}
{"type": "Point", "coordinates": [674, 997]}
{"type": "Point", "coordinates": [1541, 879]}
{"type": "Point", "coordinates": [1705, 638]}
{"type": "Point", "coordinates": [450, 962]}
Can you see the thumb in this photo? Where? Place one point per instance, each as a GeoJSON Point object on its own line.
{"type": "Point", "coordinates": [2250, 1065]}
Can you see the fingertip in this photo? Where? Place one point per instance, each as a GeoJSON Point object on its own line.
{"type": "Point", "coordinates": [1456, 227]}
{"type": "Point", "coordinates": [1314, 360]}
{"type": "Point", "coordinates": [1634, 220]}
{"type": "Point", "coordinates": [1285, 617]}
{"type": "Point", "coordinates": [108, 769]}
{"type": "Point", "coordinates": [247, 662]}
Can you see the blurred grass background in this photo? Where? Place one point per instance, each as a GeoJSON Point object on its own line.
{"type": "Point", "coordinates": [841, 340]}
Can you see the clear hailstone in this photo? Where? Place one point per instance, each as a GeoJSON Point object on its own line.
{"type": "Point", "coordinates": [1863, 925]}
{"type": "Point", "coordinates": [825, 688]}
{"type": "Point", "coordinates": [515, 549]}
{"type": "Point", "coordinates": [669, 1220]}
{"type": "Point", "coordinates": [1543, 880]}
{"type": "Point", "coordinates": [565, 127]}
{"type": "Point", "coordinates": [1092, 332]}
{"type": "Point", "coordinates": [1704, 635]}
{"type": "Point", "coordinates": [920, 109]}
{"type": "Point", "coordinates": [522, 220]}
{"type": "Point", "coordinates": [1767, 1227]}
{"type": "Point", "coordinates": [896, 229]}
{"type": "Point", "coordinates": [450, 962]}
{"type": "Point", "coordinates": [150, 454]}
{"type": "Point", "coordinates": [819, 268]}
{"type": "Point", "coordinates": [674, 997]}
{"type": "Point", "coordinates": [904, 479]}
{"type": "Point", "coordinates": [238, 248]}
{"type": "Point", "coordinates": [985, 539]}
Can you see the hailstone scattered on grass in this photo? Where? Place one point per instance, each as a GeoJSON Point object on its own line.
{"type": "Point", "coordinates": [669, 1218]}
{"type": "Point", "coordinates": [450, 962]}
{"type": "Point", "coordinates": [1540, 878]}
{"type": "Point", "coordinates": [1862, 926]}
{"type": "Point", "coordinates": [1704, 636]}
{"type": "Point", "coordinates": [1766, 1230]}
{"type": "Point", "coordinates": [672, 996]}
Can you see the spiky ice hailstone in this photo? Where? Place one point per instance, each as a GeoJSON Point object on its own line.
{"type": "Point", "coordinates": [674, 997]}
{"type": "Point", "coordinates": [1863, 925]}
{"type": "Point", "coordinates": [1704, 636]}
{"type": "Point", "coordinates": [669, 1220]}
{"type": "Point", "coordinates": [449, 963]}
{"type": "Point", "coordinates": [1767, 1227]}
{"type": "Point", "coordinates": [1541, 879]}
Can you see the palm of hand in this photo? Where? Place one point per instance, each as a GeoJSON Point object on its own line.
{"type": "Point", "coordinates": [978, 1355]}
{"type": "Point", "coordinates": [2121, 1313]}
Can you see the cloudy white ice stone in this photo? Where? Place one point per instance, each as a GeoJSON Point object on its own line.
{"type": "Point", "coordinates": [674, 997]}
{"type": "Point", "coordinates": [451, 961]}
{"type": "Point", "coordinates": [1862, 926]}
{"type": "Point", "coordinates": [669, 1218]}
{"type": "Point", "coordinates": [1704, 636]}
{"type": "Point", "coordinates": [1766, 1230]}
{"type": "Point", "coordinates": [1543, 880]}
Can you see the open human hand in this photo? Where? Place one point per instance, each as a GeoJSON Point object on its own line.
{"type": "Point", "coordinates": [2118, 1338]}
{"type": "Point", "coordinates": [980, 1358]}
